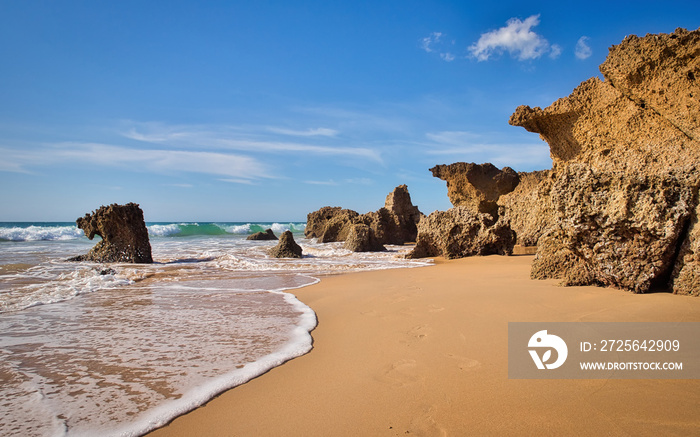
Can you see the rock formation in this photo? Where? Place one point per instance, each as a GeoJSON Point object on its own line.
{"type": "Point", "coordinates": [622, 199]}
{"type": "Point", "coordinates": [361, 238]}
{"type": "Point", "coordinates": [460, 232]}
{"type": "Point", "coordinates": [262, 236]}
{"type": "Point", "coordinates": [329, 224]}
{"type": "Point", "coordinates": [477, 186]}
{"type": "Point", "coordinates": [527, 209]}
{"type": "Point", "coordinates": [395, 223]}
{"type": "Point", "coordinates": [407, 216]}
{"type": "Point", "coordinates": [123, 231]}
{"type": "Point", "coordinates": [287, 247]}
{"type": "Point", "coordinates": [476, 225]}
{"type": "Point", "coordinates": [613, 228]}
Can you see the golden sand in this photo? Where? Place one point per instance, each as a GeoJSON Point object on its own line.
{"type": "Point", "coordinates": [424, 352]}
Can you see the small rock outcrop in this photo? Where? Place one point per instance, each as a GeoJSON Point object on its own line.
{"type": "Point", "coordinates": [477, 186]}
{"type": "Point", "coordinates": [622, 197]}
{"type": "Point", "coordinates": [361, 238]}
{"type": "Point", "coordinates": [407, 215]}
{"type": "Point", "coordinates": [123, 232]}
{"type": "Point", "coordinates": [329, 224]}
{"type": "Point", "coordinates": [395, 223]}
{"type": "Point", "coordinates": [287, 247]}
{"type": "Point", "coordinates": [263, 236]}
{"type": "Point", "coordinates": [460, 232]}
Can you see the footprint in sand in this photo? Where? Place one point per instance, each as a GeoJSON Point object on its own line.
{"type": "Point", "coordinates": [401, 373]}
{"type": "Point", "coordinates": [464, 363]}
{"type": "Point", "coordinates": [435, 309]}
{"type": "Point", "coordinates": [417, 333]}
{"type": "Point", "coordinates": [426, 425]}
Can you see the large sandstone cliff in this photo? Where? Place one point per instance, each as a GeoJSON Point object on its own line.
{"type": "Point", "coordinates": [622, 199]}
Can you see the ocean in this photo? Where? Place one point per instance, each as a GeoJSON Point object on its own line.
{"type": "Point", "coordinates": [120, 349]}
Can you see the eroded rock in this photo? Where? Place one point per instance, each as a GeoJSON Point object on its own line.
{"type": "Point", "coordinates": [287, 247]}
{"type": "Point", "coordinates": [123, 232]}
{"type": "Point", "coordinates": [395, 223]}
{"type": "Point", "coordinates": [460, 232]}
{"type": "Point", "coordinates": [527, 208]}
{"type": "Point", "coordinates": [613, 228]}
{"type": "Point", "coordinates": [268, 235]}
{"type": "Point", "coordinates": [623, 191]}
{"type": "Point", "coordinates": [361, 238]}
{"type": "Point", "coordinates": [477, 186]}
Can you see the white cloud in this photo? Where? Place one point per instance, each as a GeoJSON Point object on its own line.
{"type": "Point", "coordinates": [238, 167]}
{"type": "Point", "coordinates": [321, 131]}
{"type": "Point", "coordinates": [242, 139]}
{"type": "Point", "coordinates": [329, 182]}
{"type": "Point", "coordinates": [429, 41]}
{"type": "Point", "coordinates": [583, 50]}
{"type": "Point", "coordinates": [555, 51]}
{"type": "Point", "coordinates": [517, 38]}
{"type": "Point", "coordinates": [434, 43]}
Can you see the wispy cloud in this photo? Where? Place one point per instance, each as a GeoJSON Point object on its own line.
{"type": "Point", "coordinates": [253, 139]}
{"type": "Point", "coordinates": [318, 132]}
{"type": "Point", "coordinates": [428, 43]}
{"type": "Point", "coordinates": [328, 182]}
{"type": "Point", "coordinates": [517, 38]}
{"type": "Point", "coordinates": [470, 147]}
{"type": "Point", "coordinates": [239, 167]}
{"type": "Point", "coordinates": [583, 50]}
{"type": "Point", "coordinates": [435, 43]}
{"type": "Point", "coordinates": [351, 181]}
{"type": "Point", "coordinates": [555, 51]}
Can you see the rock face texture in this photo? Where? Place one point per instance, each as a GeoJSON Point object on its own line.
{"type": "Point", "coordinates": [287, 247]}
{"type": "Point", "coordinates": [329, 224]}
{"type": "Point", "coordinates": [527, 208]}
{"type": "Point", "coordinates": [123, 231]}
{"type": "Point", "coordinates": [614, 228]}
{"type": "Point", "coordinates": [263, 236]}
{"type": "Point", "coordinates": [361, 238]}
{"type": "Point", "coordinates": [395, 223]}
{"type": "Point", "coordinates": [622, 198]}
{"type": "Point", "coordinates": [460, 232]}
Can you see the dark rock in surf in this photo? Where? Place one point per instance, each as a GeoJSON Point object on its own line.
{"type": "Point", "coordinates": [123, 232]}
{"type": "Point", "coordinates": [262, 236]}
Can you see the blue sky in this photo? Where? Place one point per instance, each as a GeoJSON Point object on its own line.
{"type": "Point", "coordinates": [267, 110]}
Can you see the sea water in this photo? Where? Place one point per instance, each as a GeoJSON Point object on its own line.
{"type": "Point", "coordinates": [121, 349]}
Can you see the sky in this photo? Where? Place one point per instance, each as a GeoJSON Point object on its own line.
{"type": "Point", "coordinates": [268, 110]}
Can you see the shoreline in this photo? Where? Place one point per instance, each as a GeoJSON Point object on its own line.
{"type": "Point", "coordinates": [423, 351]}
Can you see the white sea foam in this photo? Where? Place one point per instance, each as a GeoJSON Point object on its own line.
{"type": "Point", "coordinates": [164, 230]}
{"type": "Point", "coordinates": [239, 229]}
{"type": "Point", "coordinates": [40, 233]}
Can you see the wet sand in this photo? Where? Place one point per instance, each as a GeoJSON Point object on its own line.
{"type": "Point", "coordinates": [424, 352]}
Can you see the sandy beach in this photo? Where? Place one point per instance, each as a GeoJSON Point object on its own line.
{"type": "Point", "coordinates": [423, 351]}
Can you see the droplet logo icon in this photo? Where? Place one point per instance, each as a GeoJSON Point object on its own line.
{"type": "Point", "coordinates": [546, 342]}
